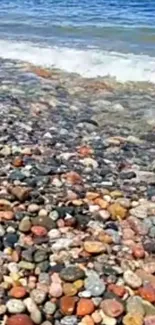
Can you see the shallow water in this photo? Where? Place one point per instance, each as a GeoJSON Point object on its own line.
{"type": "Point", "coordinates": [114, 38]}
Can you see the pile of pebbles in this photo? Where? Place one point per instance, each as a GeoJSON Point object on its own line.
{"type": "Point", "coordinates": [77, 201]}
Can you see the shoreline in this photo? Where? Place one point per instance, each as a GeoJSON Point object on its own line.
{"type": "Point", "coordinates": [77, 199]}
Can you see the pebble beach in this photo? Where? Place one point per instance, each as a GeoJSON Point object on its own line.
{"type": "Point", "coordinates": [77, 199]}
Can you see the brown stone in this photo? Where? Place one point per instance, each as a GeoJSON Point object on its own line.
{"type": "Point", "coordinates": [69, 289]}
{"type": "Point", "coordinates": [112, 307]}
{"type": "Point", "coordinates": [85, 151]}
{"type": "Point", "coordinates": [5, 205]}
{"type": "Point", "coordinates": [102, 203]}
{"type": "Point", "coordinates": [43, 73]}
{"type": "Point", "coordinates": [67, 305]}
{"type": "Point", "coordinates": [73, 178]}
{"type": "Point", "coordinates": [19, 319]}
{"type": "Point", "coordinates": [117, 211]}
{"type": "Point", "coordinates": [92, 196]}
{"type": "Point", "coordinates": [118, 290]}
{"type": "Point", "coordinates": [94, 247]}
{"type": "Point", "coordinates": [17, 162]}
{"type": "Point", "coordinates": [6, 215]}
{"type": "Point", "coordinates": [138, 251]}
{"type": "Point", "coordinates": [20, 192]}
{"type": "Point", "coordinates": [85, 307]}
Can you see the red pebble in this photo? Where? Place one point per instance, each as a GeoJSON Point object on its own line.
{"type": "Point", "coordinates": [18, 292]}
{"type": "Point", "coordinates": [39, 231]}
{"type": "Point", "coordinates": [117, 290]}
{"type": "Point", "coordinates": [19, 319]}
{"type": "Point", "coordinates": [147, 293]}
{"type": "Point", "coordinates": [138, 251]}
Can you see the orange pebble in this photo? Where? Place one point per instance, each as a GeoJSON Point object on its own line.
{"type": "Point", "coordinates": [18, 292]}
{"type": "Point", "coordinates": [85, 307]}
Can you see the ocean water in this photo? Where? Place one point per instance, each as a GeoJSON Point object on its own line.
{"type": "Point", "coordinates": [94, 38]}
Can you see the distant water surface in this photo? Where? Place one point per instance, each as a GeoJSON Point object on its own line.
{"type": "Point", "coordinates": [90, 37]}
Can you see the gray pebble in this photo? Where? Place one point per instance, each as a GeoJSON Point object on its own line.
{"type": "Point", "coordinates": [15, 306]}
{"type": "Point", "coordinates": [49, 308]}
{"type": "Point", "coordinates": [69, 320]}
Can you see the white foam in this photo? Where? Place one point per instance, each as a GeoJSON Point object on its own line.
{"type": "Point", "coordinates": [89, 62]}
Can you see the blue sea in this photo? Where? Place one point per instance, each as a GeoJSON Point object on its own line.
{"type": "Point", "coordinates": [94, 38]}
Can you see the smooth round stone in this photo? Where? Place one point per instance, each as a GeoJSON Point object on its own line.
{"type": "Point", "coordinates": [44, 278]}
{"type": "Point", "coordinates": [55, 290]}
{"type": "Point", "coordinates": [46, 222]}
{"type": "Point", "coordinates": [67, 305]}
{"type": "Point", "coordinates": [49, 308]}
{"type": "Point", "coordinates": [94, 247]}
{"type": "Point", "coordinates": [38, 296]}
{"type": "Point", "coordinates": [72, 273]}
{"type": "Point", "coordinates": [10, 240]}
{"type": "Point", "coordinates": [135, 305]}
{"type": "Point", "coordinates": [20, 319]}
{"type": "Point", "coordinates": [18, 292]}
{"type": "Point", "coordinates": [112, 307]}
{"type": "Point", "coordinates": [69, 289]}
{"type": "Point", "coordinates": [25, 224]}
{"type": "Point", "coordinates": [40, 255]}
{"type": "Point", "coordinates": [132, 279]}
{"type": "Point", "coordinates": [69, 320]}
{"type": "Point", "coordinates": [15, 306]}
{"type": "Point", "coordinates": [32, 208]}
{"type": "Point", "coordinates": [54, 234]}
{"type": "Point", "coordinates": [94, 284]}
{"type": "Point", "coordinates": [85, 307]}
{"type": "Point", "coordinates": [43, 213]}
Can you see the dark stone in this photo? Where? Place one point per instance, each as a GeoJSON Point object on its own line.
{"type": "Point", "coordinates": [20, 215]}
{"type": "Point", "coordinates": [43, 266]}
{"type": "Point", "coordinates": [17, 175]}
{"type": "Point", "coordinates": [108, 270]}
{"type": "Point", "coordinates": [127, 175]}
{"type": "Point", "coordinates": [72, 273]}
{"type": "Point", "coordinates": [57, 268]}
{"type": "Point", "coordinates": [46, 222]}
{"type": "Point", "coordinates": [82, 221]}
{"type": "Point", "coordinates": [149, 246]}
{"type": "Point", "coordinates": [40, 256]}
{"type": "Point", "coordinates": [10, 240]}
{"type": "Point", "coordinates": [111, 225]}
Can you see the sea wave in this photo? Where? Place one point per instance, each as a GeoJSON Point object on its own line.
{"type": "Point", "coordinates": [89, 62]}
